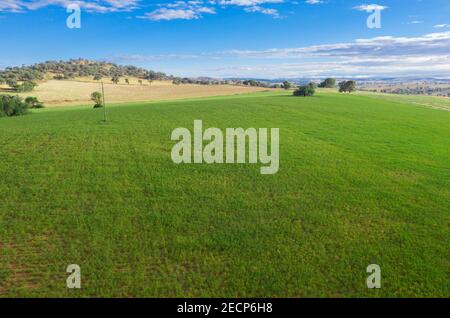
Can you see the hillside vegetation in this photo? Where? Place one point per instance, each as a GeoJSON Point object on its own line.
{"type": "Point", "coordinates": [361, 181]}
{"type": "Point", "coordinates": [77, 68]}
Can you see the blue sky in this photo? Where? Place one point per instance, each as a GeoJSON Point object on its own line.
{"type": "Point", "coordinates": [227, 38]}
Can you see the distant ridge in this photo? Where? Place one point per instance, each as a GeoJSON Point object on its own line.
{"type": "Point", "coordinates": [77, 68]}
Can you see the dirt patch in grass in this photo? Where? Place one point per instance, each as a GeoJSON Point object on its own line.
{"type": "Point", "coordinates": [20, 265]}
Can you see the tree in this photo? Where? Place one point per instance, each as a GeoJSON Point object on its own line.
{"type": "Point", "coordinates": [97, 77]}
{"type": "Point", "coordinates": [115, 79]}
{"type": "Point", "coordinates": [11, 82]}
{"type": "Point", "coordinates": [96, 97]}
{"type": "Point", "coordinates": [12, 106]}
{"type": "Point", "coordinates": [127, 81]}
{"type": "Point", "coordinates": [140, 82]}
{"type": "Point", "coordinates": [27, 86]}
{"type": "Point", "coordinates": [306, 90]}
{"type": "Point", "coordinates": [347, 86]}
{"type": "Point", "coordinates": [287, 85]}
{"type": "Point", "coordinates": [328, 83]}
{"type": "Point", "coordinates": [176, 81]}
{"type": "Point", "coordinates": [33, 102]}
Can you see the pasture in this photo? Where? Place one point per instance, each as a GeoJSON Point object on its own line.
{"type": "Point", "coordinates": [361, 181]}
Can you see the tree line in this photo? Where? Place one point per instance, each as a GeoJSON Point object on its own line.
{"type": "Point", "coordinates": [70, 69]}
{"type": "Point", "coordinates": [310, 89]}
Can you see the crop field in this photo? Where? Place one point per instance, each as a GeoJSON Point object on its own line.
{"type": "Point", "coordinates": [362, 180]}
{"type": "Point", "coordinates": [76, 92]}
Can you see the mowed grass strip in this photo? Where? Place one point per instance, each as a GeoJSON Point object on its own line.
{"type": "Point", "coordinates": [361, 181]}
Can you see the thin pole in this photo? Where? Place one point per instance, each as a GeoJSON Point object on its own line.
{"type": "Point", "coordinates": [104, 104]}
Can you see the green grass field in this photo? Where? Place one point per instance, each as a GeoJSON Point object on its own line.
{"type": "Point", "coordinates": [361, 181]}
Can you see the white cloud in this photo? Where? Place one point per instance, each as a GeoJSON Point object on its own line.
{"type": "Point", "coordinates": [91, 6]}
{"type": "Point", "coordinates": [246, 3]}
{"type": "Point", "coordinates": [441, 26]}
{"type": "Point", "coordinates": [314, 1]}
{"type": "Point", "coordinates": [272, 12]}
{"type": "Point", "coordinates": [434, 43]}
{"type": "Point", "coordinates": [370, 7]}
{"type": "Point", "coordinates": [427, 55]}
{"type": "Point", "coordinates": [10, 6]}
{"type": "Point", "coordinates": [180, 10]}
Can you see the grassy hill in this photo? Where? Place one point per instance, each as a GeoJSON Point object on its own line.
{"type": "Point", "coordinates": [361, 181]}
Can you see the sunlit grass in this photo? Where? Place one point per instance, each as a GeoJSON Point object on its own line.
{"type": "Point", "coordinates": [361, 181]}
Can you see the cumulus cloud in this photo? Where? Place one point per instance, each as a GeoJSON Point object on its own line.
{"type": "Point", "coordinates": [434, 43]}
{"type": "Point", "coordinates": [441, 26]}
{"type": "Point", "coordinates": [184, 10]}
{"type": "Point", "coordinates": [313, 1]}
{"type": "Point", "coordinates": [195, 9]}
{"type": "Point", "coordinates": [272, 12]}
{"type": "Point", "coordinates": [428, 54]}
{"type": "Point", "coordinates": [102, 6]}
{"type": "Point", "coordinates": [246, 3]}
{"type": "Point", "coordinates": [252, 5]}
{"type": "Point", "coordinates": [370, 7]}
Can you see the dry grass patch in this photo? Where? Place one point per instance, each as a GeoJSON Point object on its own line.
{"type": "Point", "coordinates": [60, 93]}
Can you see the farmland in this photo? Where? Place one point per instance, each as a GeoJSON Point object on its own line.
{"type": "Point", "coordinates": [362, 180]}
{"type": "Point", "coordinates": [55, 93]}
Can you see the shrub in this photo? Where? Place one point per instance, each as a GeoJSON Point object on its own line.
{"type": "Point", "coordinates": [12, 106]}
{"type": "Point", "coordinates": [33, 102]}
{"type": "Point", "coordinates": [306, 90]}
{"type": "Point", "coordinates": [11, 82]}
{"type": "Point", "coordinates": [115, 79]}
{"type": "Point", "coordinates": [287, 85]}
{"type": "Point", "coordinates": [96, 97]}
{"type": "Point", "coordinates": [328, 83]}
{"type": "Point", "coordinates": [347, 86]}
{"type": "Point", "coordinates": [27, 86]}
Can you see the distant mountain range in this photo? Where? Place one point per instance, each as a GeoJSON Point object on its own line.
{"type": "Point", "coordinates": [305, 80]}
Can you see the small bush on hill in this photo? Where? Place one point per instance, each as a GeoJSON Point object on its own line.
{"type": "Point", "coordinates": [12, 106]}
{"type": "Point", "coordinates": [27, 86]}
{"type": "Point", "coordinates": [96, 97]}
{"type": "Point", "coordinates": [33, 102]}
{"type": "Point", "coordinates": [115, 79]}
